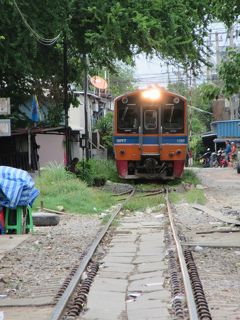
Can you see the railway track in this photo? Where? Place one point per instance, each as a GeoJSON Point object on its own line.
{"type": "Point", "coordinates": [193, 289]}
{"type": "Point", "coordinates": [67, 290]}
{"type": "Point", "coordinates": [186, 286]}
{"type": "Point", "coordinates": [140, 262]}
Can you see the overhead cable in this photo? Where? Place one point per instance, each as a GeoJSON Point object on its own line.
{"type": "Point", "coordinates": [38, 37]}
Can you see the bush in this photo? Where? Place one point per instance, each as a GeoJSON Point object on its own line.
{"type": "Point", "coordinates": [97, 172]}
{"type": "Point", "coordinates": [59, 187]}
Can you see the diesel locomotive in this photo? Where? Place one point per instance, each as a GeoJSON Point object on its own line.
{"type": "Point", "coordinates": [150, 134]}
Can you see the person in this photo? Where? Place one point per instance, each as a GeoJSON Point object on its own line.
{"type": "Point", "coordinates": [233, 148]}
{"type": "Point", "coordinates": [190, 158]}
{"type": "Point", "coordinates": [72, 167]}
{"type": "Point", "coordinates": [227, 150]}
{"type": "Point", "coordinates": [233, 154]}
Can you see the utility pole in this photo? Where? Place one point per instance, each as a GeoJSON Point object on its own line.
{"type": "Point", "coordinates": [218, 57]}
{"type": "Point", "coordinates": [86, 105]}
{"type": "Point", "coordinates": [233, 100]}
{"type": "Point", "coordinates": [231, 43]}
{"type": "Point", "coordinates": [168, 73]}
{"type": "Point", "coordinates": [208, 59]}
{"type": "Point", "coordinates": [65, 99]}
{"type": "Point", "coordinates": [190, 103]}
{"type": "Point", "coordinates": [178, 74]}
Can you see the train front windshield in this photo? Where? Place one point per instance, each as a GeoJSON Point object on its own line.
{"type": "Point", "coordinates": [169, 113]}
{"type": "Point", "coordinates": [128, 118]}
{"type": "Point", "coordinates": [173, 117]}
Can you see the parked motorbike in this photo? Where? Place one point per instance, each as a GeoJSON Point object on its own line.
{"type": "Point", "coordinates": [221, 159]}
{"type": "Point", "coordinates": [205, 159]}
{"type": "Point", "coordinates": [213, 159]}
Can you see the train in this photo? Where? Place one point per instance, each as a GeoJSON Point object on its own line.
{"type": "Point", "coordinates": [150, 135]}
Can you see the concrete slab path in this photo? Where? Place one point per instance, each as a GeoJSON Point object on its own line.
{"type": "Point", "coordinates": [130, 282]}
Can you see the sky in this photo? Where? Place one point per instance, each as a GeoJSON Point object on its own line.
{"type": "Point", "coordinates": [149, 71]}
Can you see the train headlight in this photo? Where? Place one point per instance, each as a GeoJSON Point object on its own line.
{"type": "Point", "coordinates": [151, 94]}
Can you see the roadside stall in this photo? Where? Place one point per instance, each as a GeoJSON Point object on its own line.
{"type": "Point", "coordinates": [17, 194]}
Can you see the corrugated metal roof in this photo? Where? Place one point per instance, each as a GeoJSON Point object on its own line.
{"type": "Point", "coordinates": [227, 128]}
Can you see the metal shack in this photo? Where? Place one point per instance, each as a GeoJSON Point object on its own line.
{"type": "Point", "coordinates": [226, 130]}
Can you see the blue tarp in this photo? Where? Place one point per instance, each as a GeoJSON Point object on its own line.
{"type": "Point", "coordinates": [16, 188]}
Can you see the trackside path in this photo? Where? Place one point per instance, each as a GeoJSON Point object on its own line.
{"type": "Point", "coordinates": [131, 281]}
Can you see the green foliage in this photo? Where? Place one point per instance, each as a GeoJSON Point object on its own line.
{"type": "Point", "coordinates": [141, 203]}
{"type": "Point", "coordinates": [107, 31]}
{"type": "Point", "coordinates": [229, 72]}
{"type": "Point", "coordinates": [190, 177]}
{"type": "Point", "coordinates": [198, 122]}
{"type": "Point", "coordinates": [210, 91]}
{"type": "Point", "coordinates": [197, 147]}
{"type": "Point", "coordinates": [95, 170]}
{"type": "Point", "coordinates": [61, 188]}
{"type": "Point", "coordinates": [28, 67]}
{"type": "Point", "coordinates": [191, 196]}
{"type": "Point", "coordinates": [127, 28]}
{"type": "Point", "coordinates": [225, 11]}
{"type": "Point", "coordinates": [105, 128]}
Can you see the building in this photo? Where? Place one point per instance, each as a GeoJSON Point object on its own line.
{"type": "Point", "coordinates": [97, 107]}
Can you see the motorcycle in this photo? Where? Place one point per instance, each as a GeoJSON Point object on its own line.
{"type": "Point", "coordinates": [221, 158]}
{"type": "Point", "coordinates": [205, 159]}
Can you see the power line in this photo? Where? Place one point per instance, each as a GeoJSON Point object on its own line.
{"type": "Point", "coordinates": [37, 36]}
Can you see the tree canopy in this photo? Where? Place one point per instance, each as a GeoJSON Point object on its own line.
{"type": "Point", "coordinates": [107, 31]}
{"type": "Point", "coordinates": [229, 73]}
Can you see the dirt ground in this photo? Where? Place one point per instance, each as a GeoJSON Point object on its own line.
{"type": "Point", "coordinates": [216, 251]}
{"type": "Point", "coordinates": [51, 252]}
{"type": "Point", "coordinates": [223, 184]}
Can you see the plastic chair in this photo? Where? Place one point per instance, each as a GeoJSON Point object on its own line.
{"type": "Point", "coordinates": [2, 223]}
{"type": "Point", "coordinates": [17, 215]}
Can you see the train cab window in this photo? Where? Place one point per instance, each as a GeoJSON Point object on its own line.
{"type": "Point", "coordinates": [150, 119]}
{"type": "Point", "coordinates": [173, 117]}
{"type": "Point", "coordinates": [128, 118]}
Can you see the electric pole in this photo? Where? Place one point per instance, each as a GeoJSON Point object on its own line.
{"type": "Point", "coordinates": [65, 99]}
{"type": "Point", "coordinates": [86, 105]}
{"type": "Point", "coordinates": [218, 57]}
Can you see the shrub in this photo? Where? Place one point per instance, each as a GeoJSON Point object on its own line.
{"type": "Point", "coordinates": [97, 172]}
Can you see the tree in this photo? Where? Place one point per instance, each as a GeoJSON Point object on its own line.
{"type": "Point", "coordinates": [105, 128]}
{"type": "Point", "coordinates": [27, 66]}
{"type": "Point", "coordinates": [198, 121]}
{"type": "Point", "coordinates": [107, 31]}
{"type": "Point", "coordinates": [110, 30]}
{"type": "Point", "coordinates": [229, 73]}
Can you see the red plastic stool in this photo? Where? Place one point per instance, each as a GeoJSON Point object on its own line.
{"type": "Point", "coordinates": [2, 223]}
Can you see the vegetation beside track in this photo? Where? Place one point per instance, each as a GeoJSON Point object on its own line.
{"type": "Point", "coordinates": [59, 188]}
{"type": "Point", "coordinates": [188, 193]}
{"type": "Point", "coordinates": [95, 171]}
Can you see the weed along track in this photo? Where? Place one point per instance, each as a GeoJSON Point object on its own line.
{"type": "Point", "coordinates": [129, 272]}
{"type": "Point", "coordinates": [142, 264]}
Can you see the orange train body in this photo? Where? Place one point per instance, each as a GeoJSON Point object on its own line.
{"type": "Point", "coordinates": [150, 135]}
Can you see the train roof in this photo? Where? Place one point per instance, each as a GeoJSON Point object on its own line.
{"type": "Point", "coordinates": [141, 90]}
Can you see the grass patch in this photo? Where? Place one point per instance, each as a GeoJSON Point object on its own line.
{"type": "Point", "coordinates": [191, 196]}
{"type": "Point", "coordinates": [61, 188]}
{"type": "Point", "coordinates": [95, 171]}
{"type": "Point", "coordinates": [141, 203]}
{"type": "Point", "coordinates": [189, 176]}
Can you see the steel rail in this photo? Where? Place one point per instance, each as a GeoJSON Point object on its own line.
{"type": "Point", "coordinates": [186, 280]}
{"type": "Point", "coordinates": [63, 301]}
